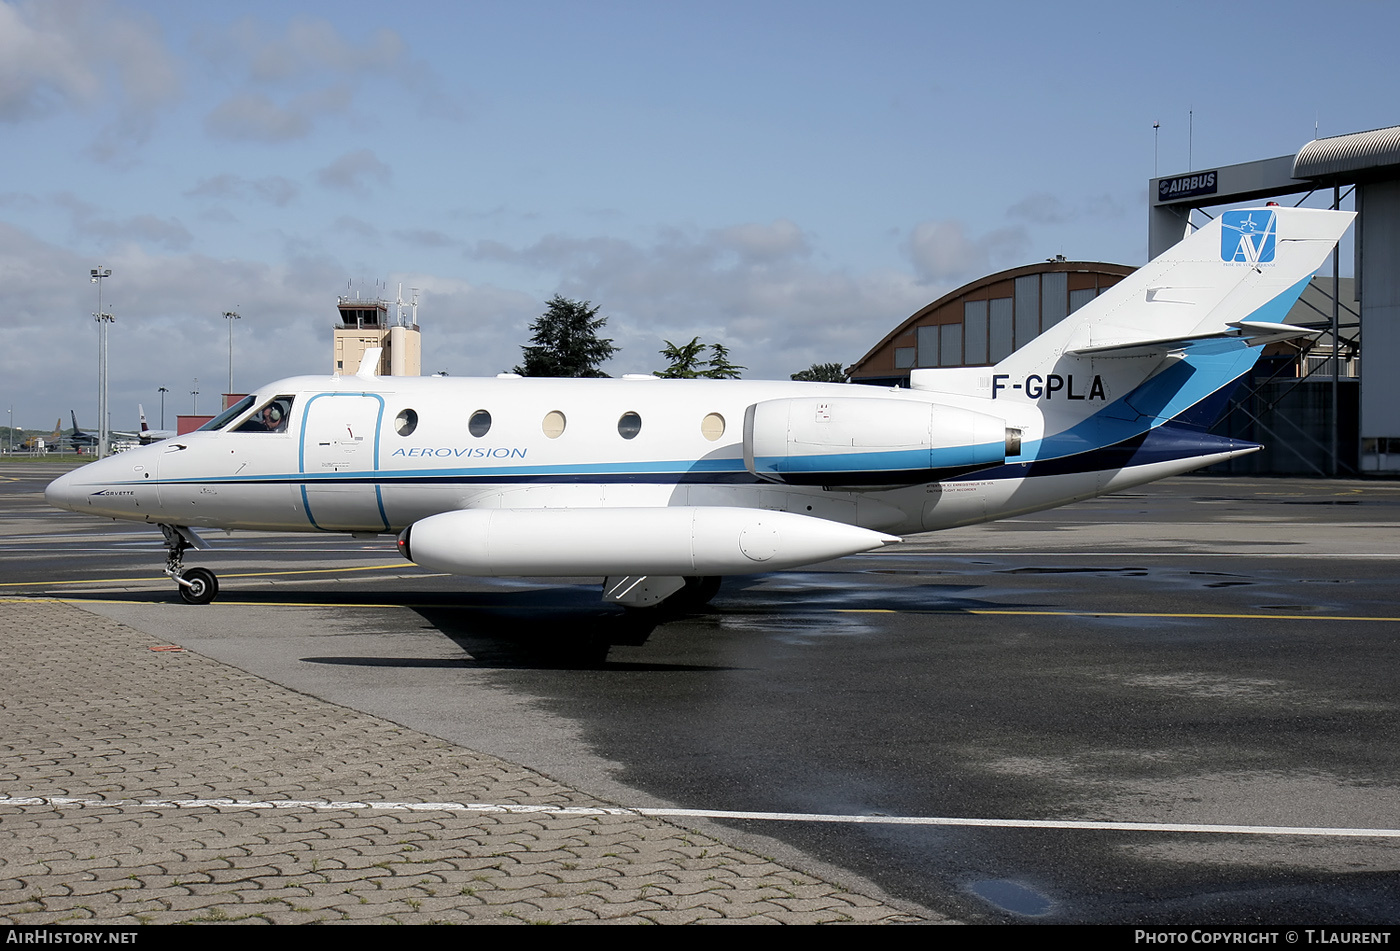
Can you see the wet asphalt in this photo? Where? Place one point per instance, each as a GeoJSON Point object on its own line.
{"type": "Point", "coordinates": [1204, 653]}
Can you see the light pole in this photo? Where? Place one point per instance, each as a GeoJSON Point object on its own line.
{"type": "Point", "coordinates": [230, 316]}
{"type": "Point", "coordinates": [195, 393]}
{"type": "Point", "coordinates": [103, 319]}
{"type": "Point", "coordinates": [163, 390]}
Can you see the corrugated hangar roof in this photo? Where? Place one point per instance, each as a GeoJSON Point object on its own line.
{"type": "Point", "coordinates": [1320, 158]}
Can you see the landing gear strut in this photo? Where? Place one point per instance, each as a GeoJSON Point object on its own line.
{"type": "Point", "coordinates": [196, 585]}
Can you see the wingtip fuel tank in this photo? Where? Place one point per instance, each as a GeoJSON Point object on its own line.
{"type": "Point", "coordinates": [680, 540]}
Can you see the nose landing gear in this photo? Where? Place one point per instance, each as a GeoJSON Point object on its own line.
{"type": "Point", "coordinates": [196, 585]}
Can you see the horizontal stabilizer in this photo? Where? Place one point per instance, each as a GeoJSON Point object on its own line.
{"type": "Point", "coordinates": [1251, 333]}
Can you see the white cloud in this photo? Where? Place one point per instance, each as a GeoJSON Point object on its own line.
{"type": "Point", "coordinates": [753, 287]}
{"type": "Point", "coordinates": [425, 238]}
{"type": "Point", "coordinates": [142, 229]}
{"type": "Point", "coordinates": [749, 287]}
{"type": "Point", "coordinates": [273, 189]}
{"type": "Point", "coordinates": [168, 329]}
{"type": "Point", "coordinates": [254, 116]}
{"type": "Point", "coordinates": [112, 233]}
{"type": "Point", "coordinates": [774, 241]}
{"type": "Point", "coordinates": [349, 224]}
{"type": "Point", "coordinates": [307, 47]}
{"type": "Point", "coordinates": [290, 77]}
{"type": "Point", "coordinates": [82, 56]}
{"type": "Point", "coordinates": [1041, 208]}
{"type": "Point", "coordinates": [354, 172]}
{"type": "Point", "coordinates": [943, 251]}
{"type": "Point", "coordinates": [41, 66]}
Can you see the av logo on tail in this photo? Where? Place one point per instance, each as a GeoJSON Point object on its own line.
{"type": "Point", "coordinates": [1248, 237]}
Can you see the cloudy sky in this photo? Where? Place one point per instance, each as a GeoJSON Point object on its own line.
{"type": "Point", "coordinates": [789, 178]}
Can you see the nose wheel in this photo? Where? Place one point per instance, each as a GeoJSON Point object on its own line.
{"type": "Point", "coordinates": [196, 585]}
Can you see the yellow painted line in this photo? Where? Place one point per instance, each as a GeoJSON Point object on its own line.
{"type": "Point", "coordinates": [320, 571]}
{"type": "Point", "coordinates": [1217, 617]}
{"type": "Point", "coordinates": [250, 574]}
{"type": "Point", "coordinates": [221, 603]}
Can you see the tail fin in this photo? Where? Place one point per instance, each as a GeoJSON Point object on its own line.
{"type": "Point", "coordinates": [142, 411]}
{"type": "Point", "coordinates": [1224, 289]}
{"type": "Point", "coordinates": [1233, 280]}
{"type": "Point", "coordinates": [1167, 342]}
{"type": "Point", "coordinates": [74, 414]}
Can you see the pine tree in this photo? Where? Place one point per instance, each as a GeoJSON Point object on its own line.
{"type": "Point", "coordinates": [564, 341]}
{"type": "Point", "coordinates": [686, 363]}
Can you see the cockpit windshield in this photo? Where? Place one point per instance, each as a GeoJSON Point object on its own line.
{"type": "Point", "coordinates": [228, 415]}
{"type": "Point", "coordinates": [271, 418]}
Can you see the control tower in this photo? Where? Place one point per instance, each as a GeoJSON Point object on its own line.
{"type": "Point", "coordinates": [365, 324]}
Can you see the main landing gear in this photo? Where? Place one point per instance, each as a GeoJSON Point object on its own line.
{"type": "Point", "coordinates": [197, 585]}
{"type": "Point", "coordinates": [672, 594]}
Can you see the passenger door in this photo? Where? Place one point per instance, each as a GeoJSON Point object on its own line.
{"type": "Point", "coordinates": [339, 460]}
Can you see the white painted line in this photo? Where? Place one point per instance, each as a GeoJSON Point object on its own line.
{"type": "Point", "coordinates": [321, 805]}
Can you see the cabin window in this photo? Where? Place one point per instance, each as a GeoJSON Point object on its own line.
{"type": "Point", "coordinates": [406, 422]}
{"type": "Point", "coordinates": [554, 424]}
{"type": "Point", "coordinates": [480, 423]}
{"type": "Point", "coordinates": [271, 418]}
{"type": "Point", "coordinates": [629, 425]}
{"type": "Point", "coordinates": [712, 426]}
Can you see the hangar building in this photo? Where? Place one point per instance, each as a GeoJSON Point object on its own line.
{"type": "Point", "coordinates": [980, 323]}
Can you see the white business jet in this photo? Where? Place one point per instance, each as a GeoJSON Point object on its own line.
{"type": "Point", "coordinates": [147, 435]}
{"type": "Point", "coordinates": [664, 486]}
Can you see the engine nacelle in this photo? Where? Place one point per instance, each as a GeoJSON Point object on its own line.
{"type": "Point", "coordinates": [822, 441]}
{"type": "Point", "coordinates": [680, 540]}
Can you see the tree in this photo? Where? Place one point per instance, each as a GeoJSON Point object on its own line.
{"type": "Point", "coordinates": [821, 373]}
{"type": "Point", "coordinates": [719, 366]}
{"type": "Point", "coordinates": [686, 363]}
{"type": "Point", "coordinates": [565, 342]}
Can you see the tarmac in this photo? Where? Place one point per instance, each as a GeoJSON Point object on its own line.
{"type": "Point", "coordinates": [141, 783]}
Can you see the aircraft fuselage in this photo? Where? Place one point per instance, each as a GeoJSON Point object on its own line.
{"type": "Point", "coordinates": [377, 455]}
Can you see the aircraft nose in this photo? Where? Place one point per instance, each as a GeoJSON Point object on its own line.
{"type": "Point", "coordinates": [62, 492]}
{"type": "Point", "coordinates": [88, 489]}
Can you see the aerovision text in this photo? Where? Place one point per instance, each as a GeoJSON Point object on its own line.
{"type": "Point", "coordinates": [1037, 387]}
{"type": "Point", "coordinates": [1295, 936]}
{"type": "Point", "coordinates": [464, 452]}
